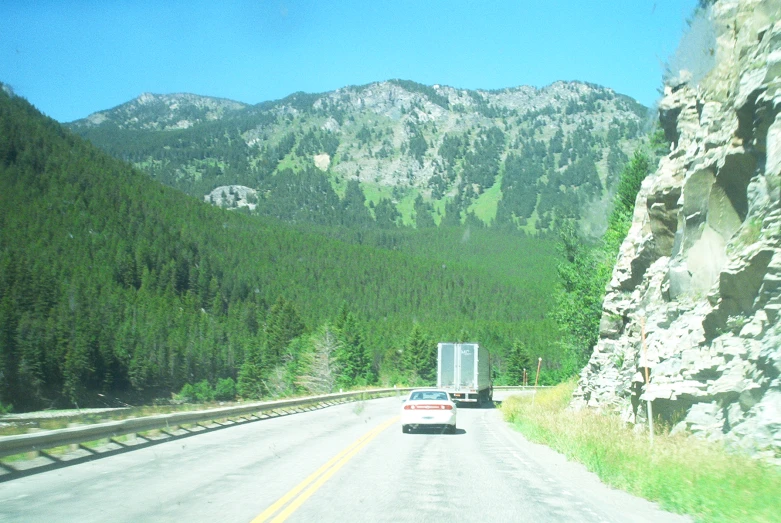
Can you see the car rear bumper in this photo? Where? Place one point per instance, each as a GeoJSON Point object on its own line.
{"type": "Point", "coordinates": [447, 417]}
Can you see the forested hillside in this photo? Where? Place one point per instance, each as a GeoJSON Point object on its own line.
{"type": "Point", "coordinates": [388, 154]}
{"type": "Point", "coordinates": [113, 285]}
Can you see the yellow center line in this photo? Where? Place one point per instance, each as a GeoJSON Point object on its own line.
{"type": "Point", "coordinates": [323, 473]}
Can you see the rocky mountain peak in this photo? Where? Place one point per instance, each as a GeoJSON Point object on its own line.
{"type": "Point", "coordinates": [696, 292]}
{"type": "Point", "coordinates": [162, 112]}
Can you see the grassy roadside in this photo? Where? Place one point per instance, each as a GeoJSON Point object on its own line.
{"type": "Point", "coordinates": [683, 474]}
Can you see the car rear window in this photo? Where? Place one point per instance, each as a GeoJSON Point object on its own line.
{"type": "Point", "coordinates": [429, 396]}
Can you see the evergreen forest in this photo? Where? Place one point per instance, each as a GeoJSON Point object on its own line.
{"type": "Point", "coordinates": [116, 288]}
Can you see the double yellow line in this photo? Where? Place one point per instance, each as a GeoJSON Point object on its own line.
{"type": "Point", "coordinates": [296, 497]}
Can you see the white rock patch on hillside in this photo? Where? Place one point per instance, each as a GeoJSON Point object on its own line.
{"type": "Point", "coordinates": [233, 197]}
{"type": "Point", "coordinates": [322, 161]}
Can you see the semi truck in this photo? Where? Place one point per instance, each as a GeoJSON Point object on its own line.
{"type": "Point", "coordinates": [464, 371]}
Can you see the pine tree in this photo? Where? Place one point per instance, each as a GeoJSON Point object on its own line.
{"type": "Point", "coordinates": [320, 363]}
{"type": "Point", "coordinates": [518, 361]}
{"type": "Point", "coordinates": [282, 325]}
{"type": "Point", "coordinates": [352, 356]}
{"type": "Point", "coordinates": [250, 383]}
{"type": "Point", "coordinates": [423, 218]}
{"type": "Point", "coordinates": [356, 214]}
{"type": "Point", "coordinates": [386, 214]}
{"type": "Point", "coordinates": [9, 384]}
{"type": "Point", "coordinates": [419, 358]}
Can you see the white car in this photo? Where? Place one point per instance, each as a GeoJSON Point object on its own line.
{"type": "Point", "coordinates": [430, 409]}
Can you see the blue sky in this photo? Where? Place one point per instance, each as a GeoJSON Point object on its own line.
{"type": "Point", "coordinates": [72, 58]}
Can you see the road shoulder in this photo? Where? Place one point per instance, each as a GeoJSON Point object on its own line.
{"type": "Point", "coordinates": [588, 485]}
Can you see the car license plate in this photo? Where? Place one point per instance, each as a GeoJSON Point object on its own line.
{"type": "Point", "coordinates": [428, 417]}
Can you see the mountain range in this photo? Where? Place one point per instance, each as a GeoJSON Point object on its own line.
{"type": "Point", "coordinates": [113, 285]}
{"type": "Point", "coordinates": [389, 153]}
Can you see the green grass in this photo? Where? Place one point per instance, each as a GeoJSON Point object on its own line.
{"type": "Point", "coordinates": [683, 474]}
{"type": "Point", "coordinates": [339, 185]}
{"type": "Point", "coordinates": [289, 162]}
{"type": "Point", "coordinates": [406, 207]}
{"type": "Point", "coordinates": [374, 193]}
{"type": "Point", "coordinates": [439, 205]}
{"type": "Point", "coordinates": [485, 205]}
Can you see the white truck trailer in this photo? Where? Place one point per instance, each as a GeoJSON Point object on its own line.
{"type": "Point", "coordinates": [464, 371]}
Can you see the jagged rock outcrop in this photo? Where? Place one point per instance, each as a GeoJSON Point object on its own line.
{"type": "Point", "coordinates": [696, 292]}
{"type": "Point", "coordinates": [233, 197]}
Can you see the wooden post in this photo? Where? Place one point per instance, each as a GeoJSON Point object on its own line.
{"type": "Point", "coordinates": [536, 379]}
{"type": "Point", "coordinates": [648, 402]}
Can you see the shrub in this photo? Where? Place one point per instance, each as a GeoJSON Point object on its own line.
{"type": "Point", "coordinates": [203, 392]}
{"type": "Point", "coordinates": [187, 393]}
{"type": "Point", "coordinates": [5, 409]}
{"type": "Point", "coordinates": [225, 390]}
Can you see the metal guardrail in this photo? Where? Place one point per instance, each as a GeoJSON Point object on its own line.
{"type": "Point", "coordinates": [18, 444]}
{"type": "Point", "coordinates": [39, 441]}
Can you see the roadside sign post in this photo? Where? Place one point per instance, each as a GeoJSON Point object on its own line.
{"type": "Point", "coordinates": [536, 379]}
{"type": "Point", "coordinates": [648, 401]}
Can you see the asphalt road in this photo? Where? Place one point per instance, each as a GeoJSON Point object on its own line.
{"type": "Point", "coordinates": [349, 462]}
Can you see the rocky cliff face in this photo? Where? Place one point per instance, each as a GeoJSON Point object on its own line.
{"type": "Point", "coordinates": [443, 110]}
{"type": "Point", "coordinates": [695, 296]}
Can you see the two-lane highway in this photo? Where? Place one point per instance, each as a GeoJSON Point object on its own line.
{"type": "Point", "coordinates": [349, 462]}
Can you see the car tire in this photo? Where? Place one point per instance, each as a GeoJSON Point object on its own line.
{"type": "Point", "coordinates": [405, 429]}
{"type": "Point", "coordinates": [451, 429]}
